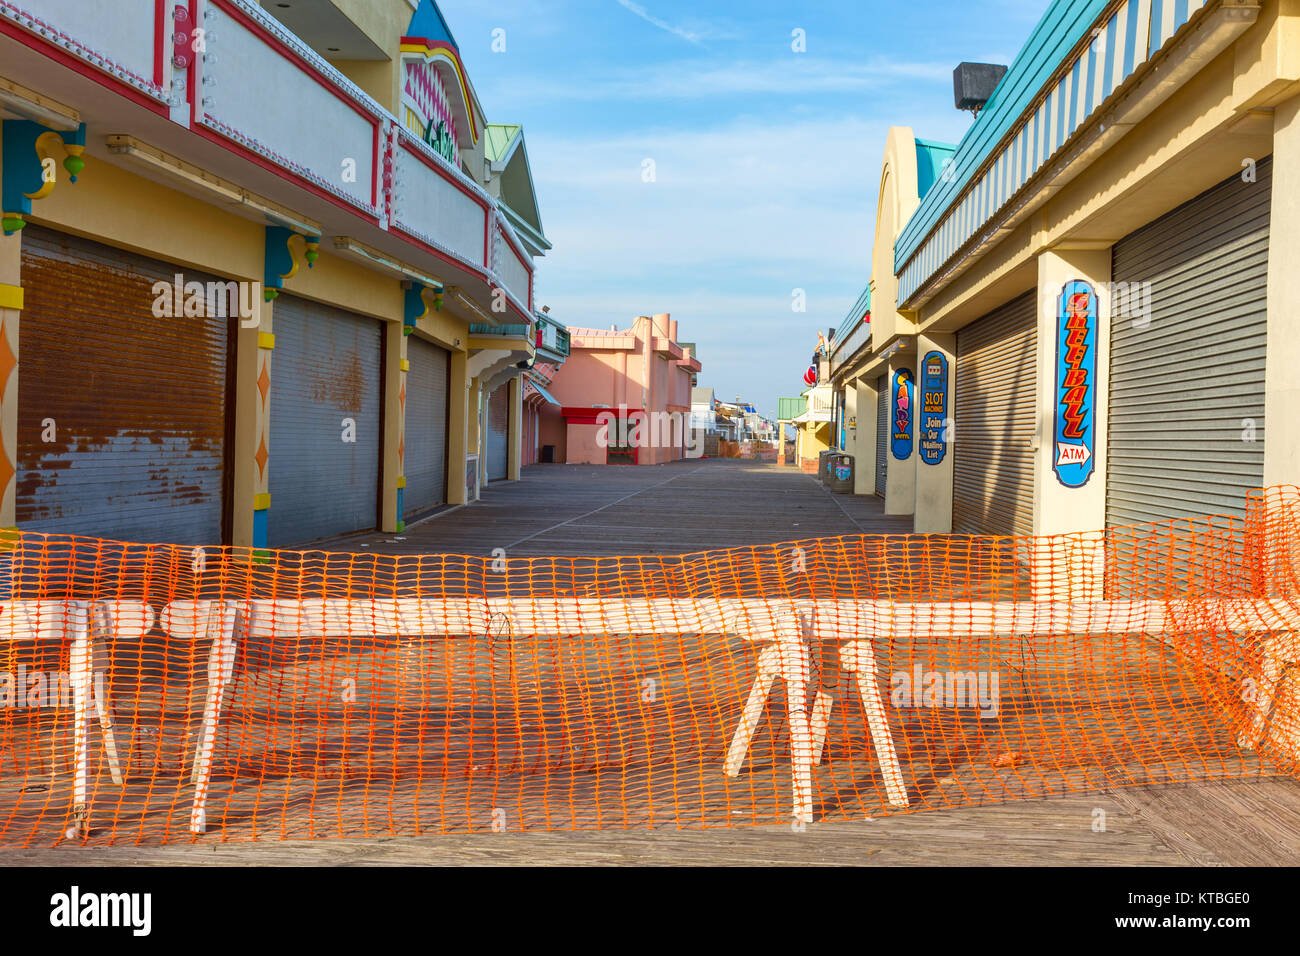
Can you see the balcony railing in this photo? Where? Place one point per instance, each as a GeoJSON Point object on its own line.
{"type": "Point", "coordinates": [296, 111]}
{"type": "Point", "coordinates": [552, 336]}
{"type": "Point", "coordinates": [254, 88]}
{"type": "Point", "coordinates": [436, 206]}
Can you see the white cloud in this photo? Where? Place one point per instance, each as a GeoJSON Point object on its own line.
{"type": "Point", "coordinates": [739, 216]}
{"type": "Point", "coordinates": [644, 14]}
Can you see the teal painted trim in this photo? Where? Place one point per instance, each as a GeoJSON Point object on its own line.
{"type": "Point", "coordinates": [279, 258]}
{"type": "Point", "coordinates": [930, 157]}
{"type": "Point", "coordinates": [428, 23]}
{"type": "Point", "coordinates": [854, 317]}
{"type": "Point", "coordinates": [21, 171]}
{"type": "Point", "coordinates": [508, 331]}
{"type": "Point", "coordinates": [413, 304]}
{"type": "Point", "coordinates": [1063, 26]}
{"type": "Point", "coordinates": [261, 521]}
{"type": "Point", "coordinates": [521, 224]}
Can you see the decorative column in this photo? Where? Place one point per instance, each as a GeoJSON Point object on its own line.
{"type": "Point", "coordinates": [900, 486]}
{"type": "Point", "coordinates": [11, 306]}
{"type": "Point", "coordinates": [864, 464]}
{"type": "Point", "coordinates": [458, 389]}
{"type": "Point", "coordinates": [1073, 395]}
{"type": "Point", "coordinates": [396, 366]}
{"type": "Point", "coordinates": [1282, 368]}
{"type": "Point", "coordinates": [251, 506]}
{"type": "Point", "coordinates": [936, 367]}
{"type": "Point", "coordinates": [515, 450]}
{"type": "Point", "coordinates": [284, 253]}
{"type": "Point", "coordinates": [29, 171]}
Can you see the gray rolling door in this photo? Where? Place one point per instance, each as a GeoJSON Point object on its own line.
{"type": "Point", "coordinates": [498, 427]}
{"type": "Point", "coordinates": [326, 368]}
{"type": "Point", "coordinates": [122, 415]}
{"type": "Point", "coordinates": [1185, 384]}
{"type": "Point", "coordinates": [995, 409]}
{"type": "Point", "coordinates": [882, 433]}
{"type": "Point", "coordinates": [426, 426]}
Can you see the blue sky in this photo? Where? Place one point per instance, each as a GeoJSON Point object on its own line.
{"type": "Point", "coordinates": [766, 161]}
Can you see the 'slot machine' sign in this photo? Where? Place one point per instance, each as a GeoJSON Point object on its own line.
{"type": "Point", "coordinates": [933, 439]}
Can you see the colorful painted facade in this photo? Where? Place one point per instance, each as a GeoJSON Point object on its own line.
{"type": "Point", "coordinates": [623, 397]}
{"type": "Point", "coordinates": [1101, 270]}
{"type": "Point", "coordinates": [302, 254]}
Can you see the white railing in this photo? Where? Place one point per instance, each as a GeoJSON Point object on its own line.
{"type": "Point", "coordinates": [434, 204]}
{"type": "Point", "coordinates": [120, 39]}
{"type": "Point", "coordinates": [511, 265]}
{"type": "Point", "coordinates": [263, 92]}
{"type": "Point", "coordinates": [296, 111]}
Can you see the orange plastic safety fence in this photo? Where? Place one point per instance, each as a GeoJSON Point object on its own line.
{"type": "Point", "coordinates": [153, 693]}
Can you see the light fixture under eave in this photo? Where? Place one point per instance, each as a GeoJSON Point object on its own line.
{"type": "Point", "coordinates": [13, 99]}
{"type": "Point", "coordinates": [471, 305]}
{"type": "Point", "coordinates": [159, 166]}
{"type": "Point", "coordinates": [359, 252]}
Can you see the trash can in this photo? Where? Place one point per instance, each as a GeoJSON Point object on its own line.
{"type": "Point", "coordinates": [824, 466]}
{"type": "Point", "coordinates": [841, 474]}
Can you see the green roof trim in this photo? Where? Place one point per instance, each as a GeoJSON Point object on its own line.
{"type": "Point", "coordinates": [788, 409]}
{"type": "Point", "coordinates": [520, 224]}
{"type": "Point", "coordinates": [497, 139]}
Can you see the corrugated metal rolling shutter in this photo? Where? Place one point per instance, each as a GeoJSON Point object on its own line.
{"type": "Point", "coordinates": [137, 404]}
{"type": "Point", "coordinates": [426, 426]}
{"type": "Point", "coordinates": [326, 368]}
{"type": "Point", "coordinates": [882, 433]}
{"type": "Point", "coordinates": [1185, 384]}
{"type": "Point", "coordinates": [995, 412]}
{"type": "Point", "coordinates": [498, 426]}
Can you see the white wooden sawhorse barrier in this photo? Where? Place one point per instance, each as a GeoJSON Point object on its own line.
{"type": "Point", "coordinates": [787, 640]}
{"type": "Point", "coordinates": [85, 627]}
{"type": "Point", "coordinates": [775, 623]}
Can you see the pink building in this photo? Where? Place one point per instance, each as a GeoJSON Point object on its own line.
{"type": "Point", "coordinates": [623, 397]}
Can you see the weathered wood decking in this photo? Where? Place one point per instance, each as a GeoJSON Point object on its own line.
{"type": "Point", "coordinates": [707, 505]}
{"type": "Point", "coordinates": [593, 510]}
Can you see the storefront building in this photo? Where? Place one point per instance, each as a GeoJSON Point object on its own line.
{"type": "Point", "coordinates": [623, 397]}
{"type": "Point", "coordinates": [1092, 299]}
{"type": "Point", "coordinates": [241, 275]}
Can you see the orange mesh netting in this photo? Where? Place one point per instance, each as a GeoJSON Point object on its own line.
{"type": "Point", "coordinates": [153, 693]}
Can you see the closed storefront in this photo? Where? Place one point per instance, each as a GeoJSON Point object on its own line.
{"type": "Point", "coordinates": [498, 428]}
{"type": "Point", "coordinates": [426, 426]}
{"type": "Point", "coordinates": [1188, 333]}
{"type": "Point", "coordinates": [122, 399]}
{"type": "Point", "coordinates": [995, 421]}
{"type": "Point", "coordinates": [882, 434]}
{"type": "Point", "coordinates": [325, 422]}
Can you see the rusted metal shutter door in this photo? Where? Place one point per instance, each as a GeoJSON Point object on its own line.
{"type": "Point", "coordinates": [882, 434]}
{"type": "Point", "coordinates": [426, 426]}
{"type": "Point", "coordinates": [122, 415]}
{"type": "Point", "coordinates": [325, 422]}
{"type": "Point", "coordinates": [995, 418]}
{"type": "Point", "coordinates": [498, 432]}
{"type": "Point", "coordinates": [1188, 336]}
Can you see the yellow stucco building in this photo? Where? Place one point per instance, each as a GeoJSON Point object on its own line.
{"type": "Point", "coordinates": [262, 273]}
{"type": "Point", "coordinates": [1094, 293]}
